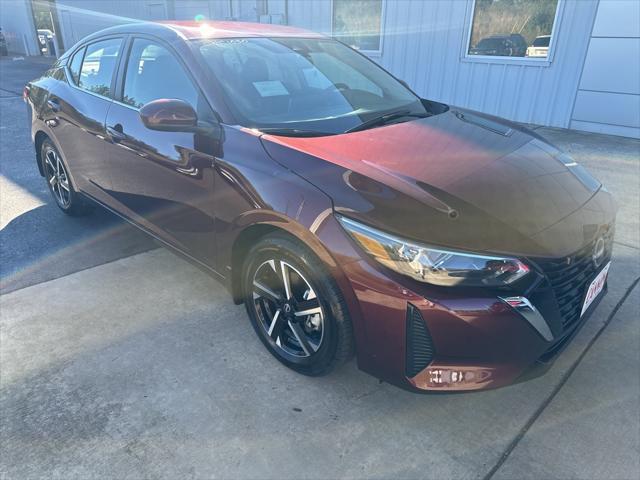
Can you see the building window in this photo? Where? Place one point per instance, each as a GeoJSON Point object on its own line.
{"type": "Point", "coordinates": [512, 28]}
{"type": "Point", "coordinates": [358, 23]}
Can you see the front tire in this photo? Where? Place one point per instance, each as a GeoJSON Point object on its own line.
{"type": "Point", "coordinates": [296, 307]}
{"type": "Point", "coordinates": [56, 173]}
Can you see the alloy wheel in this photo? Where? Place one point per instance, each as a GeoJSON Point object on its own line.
{"type": "Point", "coordinates": [58, 178]}
{"type": "Point", "coordinates": [288, 308]}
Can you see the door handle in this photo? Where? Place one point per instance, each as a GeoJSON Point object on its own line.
{"type": "Point", "coordinates": [54, 105]}
{"type": "Point", "coordinates": [116, 133]}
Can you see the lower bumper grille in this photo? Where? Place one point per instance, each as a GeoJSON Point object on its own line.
{"type": "Point", "coordinates": [419, 345]}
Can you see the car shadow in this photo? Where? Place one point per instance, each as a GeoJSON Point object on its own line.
{"type": "Point", "coordinates": [44, 243]}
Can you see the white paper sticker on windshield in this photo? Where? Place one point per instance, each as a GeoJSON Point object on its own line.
{"type": "Point", "coordinates": [271, 88]}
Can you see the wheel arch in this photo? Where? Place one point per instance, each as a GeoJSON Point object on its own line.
{"type": "Point", "coordinates": [39, 139]}
{"type": "Point", "coordinates": [251, 233]}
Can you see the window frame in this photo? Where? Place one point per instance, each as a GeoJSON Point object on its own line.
{"type": "Point", "coordinates": [369, 53]}
{"type": "Point", "coordinates": [532, 61]}
{"type": "Point", "coordinates": [116, 71]}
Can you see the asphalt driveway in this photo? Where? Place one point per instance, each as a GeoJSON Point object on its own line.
{"type": "Point", "coordinates": [117, 361]}
{"type": "Point", "coordinates": [36, 242]}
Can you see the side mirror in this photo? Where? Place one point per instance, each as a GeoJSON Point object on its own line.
{"type": "Point", "coordinates": [169, 115]}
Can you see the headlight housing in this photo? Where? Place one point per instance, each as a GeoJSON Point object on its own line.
{"type": "Point", "coordinates": [434, 265]}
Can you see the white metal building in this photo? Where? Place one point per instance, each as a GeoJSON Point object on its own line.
{"type": "Point", "coordinates": [471, 53]}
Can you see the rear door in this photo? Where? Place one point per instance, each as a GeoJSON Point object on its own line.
{"type": "Point", "coordinates": [82, 107]}
{"type": "Point", "coordinates": [162, 180]}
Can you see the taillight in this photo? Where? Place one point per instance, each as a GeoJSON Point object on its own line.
{"type": "Point", "coordinates": [25, 93]}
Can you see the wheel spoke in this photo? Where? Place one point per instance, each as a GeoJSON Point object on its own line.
{"type": "Point", "coordinates": [53, 180]}
{"type": "Point", "coordinates": [264, 291]}
{"type": "Point", "coordinates": [58, 166]}
{"type": "Point", "coordinates": [60, 196]}
{"type": "Point", "coordinates": [277, 327]}
{"type": "Point", "coordinates": [288, 308]}
{"type": "Point", "coordinates": [49, 162]}
{"type": "Point", "coordinates": [273, 322]}
{"type": "Point", "coordinates": [64, 185]}
{"type": "Point", "coordinates": [301, 337]}
{"type": "Point", "coordinates": [286, 279]}
{"type": "Point", "coordinates": [308, 307]}
{"type": "Point", "coordinates": [310, 311]}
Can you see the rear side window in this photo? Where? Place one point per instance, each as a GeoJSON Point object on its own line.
{"type": "Point", "coordinates": [75, 64]}
{"type": "Point", "coordinates": [153, 73]}
{"type": "Point", "coordinates": [98, 65]}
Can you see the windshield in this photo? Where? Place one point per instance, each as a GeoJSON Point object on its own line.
{"type": "Point", "coordinates": [314, 85]}
{"type": "Point", "coordinates": [541, 42]}
{"type": "Point", "coordinates": [490, 43]}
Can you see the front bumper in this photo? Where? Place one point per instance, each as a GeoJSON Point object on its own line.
{"type": "Point", "coordinates": [470, 340]}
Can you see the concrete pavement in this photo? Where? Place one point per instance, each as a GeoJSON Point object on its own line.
{"type": "Point", "coordinates": [142, 367]}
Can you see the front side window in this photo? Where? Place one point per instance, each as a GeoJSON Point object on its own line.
{"type": "Point", "coordinates": [358, 23]}
{"type": "Point", "coordinates": [512, 28]}
{"type": "Point", "coordinates": [98, 65]}
{"type": "Point", "coordinates": [153, 73]}
{"type": "Point", "coordinates": [303, 83]}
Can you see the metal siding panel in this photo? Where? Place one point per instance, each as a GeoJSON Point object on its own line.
{"type": "Point", "coordinates": [188, 9]}
{"type": "Point", "coordinates": [614, 17]}
{"type": "Point", "coordinates": [610, 108]}
{"type": "Point", "coordinates": [423, 43]}
{"type": "Point", "coordinates": [604, 128]}
{"type": "Point", "coordinates": [612, 65]}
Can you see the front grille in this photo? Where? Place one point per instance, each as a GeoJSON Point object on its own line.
{"type": "Point", "coordinates": [420, 351]}
{"type": "Point", "coordinates": [569, 278]}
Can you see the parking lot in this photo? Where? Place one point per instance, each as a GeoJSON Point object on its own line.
{"type": "Point", "coordinates": [119, 359]}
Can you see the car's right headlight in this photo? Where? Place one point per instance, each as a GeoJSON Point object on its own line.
{"type": "Point", "coordinates": [434, 265]}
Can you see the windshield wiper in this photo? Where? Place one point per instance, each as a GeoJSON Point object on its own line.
{"type": "Point", "coordinates": [294, 132]}
{"type": "Point", "coordinates": [387, 117]}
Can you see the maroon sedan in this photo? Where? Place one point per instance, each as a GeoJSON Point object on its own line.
{"type": "Point", "coordinates": [446, 249]}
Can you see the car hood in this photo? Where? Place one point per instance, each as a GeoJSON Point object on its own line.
{"type": "Point", "coordinates": [459, 179]}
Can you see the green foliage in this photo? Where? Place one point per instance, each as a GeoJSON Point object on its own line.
{"type": "Point", "coordinates": [41, 15]}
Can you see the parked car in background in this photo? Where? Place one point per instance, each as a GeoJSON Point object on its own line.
{"type": "Point", "coordinates": [539, 47]}
{"type": "Point", "coordinates": [450, 250]}
{"type": "Point", "coordinates": [4, 51]}
{"type": "Point", "coordinates": [45, 36]}
{"type": "Point", "coordinates": [512, 45]}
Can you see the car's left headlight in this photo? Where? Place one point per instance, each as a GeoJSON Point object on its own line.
{"type": "Point", "coordinates": [434, 265]}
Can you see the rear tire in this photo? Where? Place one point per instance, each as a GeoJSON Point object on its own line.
{"type": "Point", "coordinates": [312, 343]}
{"type": "Point", "coordinates": [56, 173]}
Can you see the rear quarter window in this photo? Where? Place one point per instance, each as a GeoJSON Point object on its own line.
{"type": "Point", "coordinates": [75, 64]}
{"type": "Point", "coordinates": [98, 65]}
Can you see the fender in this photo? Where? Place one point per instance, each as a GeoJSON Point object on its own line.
{"type": "Point", "coordinates": [253, 194]}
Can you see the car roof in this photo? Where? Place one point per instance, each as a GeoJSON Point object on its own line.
{"type": "Point", "coordinates": [504, 35]}
{"type": "Point", "coordinates": [188, 30]}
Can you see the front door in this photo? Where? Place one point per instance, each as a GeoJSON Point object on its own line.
{"type": "Point", "coordinates": [158, 178]}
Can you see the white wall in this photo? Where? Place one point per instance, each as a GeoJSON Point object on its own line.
{"type": "Point", "coordinates": [79, 18]}
{"type": "Point", "coordinates": [608, 99]}
{"type": "Point", "coordinates": [16, 20]}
